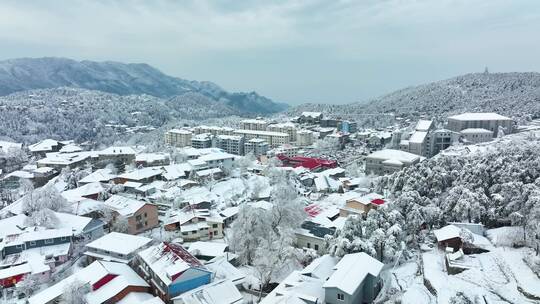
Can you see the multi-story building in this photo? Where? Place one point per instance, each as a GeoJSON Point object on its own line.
{"type": "Point", "coordinates": [304, 138]}
{"type": "Point", "coordinates": [287, 150]}
{"type": "Point", "coordinates": [476, 135]}
{"type": "Point", "coordinates": [201, 141]}
{"type": "Point", "coordinates": [439, 140]}
{"type": "Point", "coordinates": [256, 146]}
{"type": "Point", "coordinates": [254, 124]}
{"type": "Point", "coordinates": [310, 117]}
{"type": "Point", "coordinates": [274, 139]}
{"type": "Point", "coordinates": [388, 161]}
{"type": "Point", "coordinates": [178, 138]}
{"type": "Point", "coordinates": [347, 126]}
{"type": "Point", "coordinates": [233, 144]}
{"type": "Point", "coordinates": [488, 121]}
{"type": "Point", "coordinates": [287, 127]}
{"type": "Point", "coordinates": [215, 131]}
{"type": "Point", "coordinates": [140, 216]}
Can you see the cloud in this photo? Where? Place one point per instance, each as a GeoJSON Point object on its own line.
{"type": "Point", "coordinates": [252, 44]}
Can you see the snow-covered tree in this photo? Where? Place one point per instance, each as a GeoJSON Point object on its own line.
{"type": "Point", "coordinates": [75, 292]}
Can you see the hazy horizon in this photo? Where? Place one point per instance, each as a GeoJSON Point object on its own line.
{"type": "Point", "coordinates": [290, 51]}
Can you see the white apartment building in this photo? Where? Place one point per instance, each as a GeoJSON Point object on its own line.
{"type": "Point", "coordinates": [254, 124]}
{"type": "Point", "coordinates": [178, 138]}
{"type": "Point", "coordinates": [274, 139]}
{"type": "Point", "coordinates": [488, 121]}
{"type": "Point", "coordinates": [256, 146]}
{"type": "Point", "coordinates": [233, 144]}
{"type": "Point", "coordinates": [287, 127]}
{"type": "Point", "coordinates": [304, 138]}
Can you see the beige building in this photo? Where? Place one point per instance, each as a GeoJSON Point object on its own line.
{"type": "Point", "coordinates": [215, 131]}
{"type": "Point", "coordinates": [254, 124]}
{"type": "Point", "coordinates": [304, 138]}
{"type": "Point", "coordinates": [388, 161]}
{"type": "Point", "coordinates": [488, 121]}
{"type": "Point", "coordinates": [178, 138]}
{"type": "Point", "coordinates": [288, 128]}
{"type": "Point", "coordinates": [256, 146]}
{"type": "Point", "coordinates": [274, 139]}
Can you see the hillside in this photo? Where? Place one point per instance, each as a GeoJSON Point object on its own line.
{"type": "Point", "coordinates": [80, 114]}
{"type": "Point", "coordinates": [513, 94]}
{"type": "Point", "coordinates": [122, 79]}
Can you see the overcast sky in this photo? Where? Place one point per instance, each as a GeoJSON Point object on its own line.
{"type": "Point", "coordinates": [291, 51]}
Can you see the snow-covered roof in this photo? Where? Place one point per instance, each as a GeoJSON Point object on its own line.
{"type": "Point", "coordinates": [208, 172]}
{"type": "Point", "coordinates": [352, 270]}
{"type": "Point", "coordinates": [140, 298]}
{"type": "Point", "coordinates": [118, 151]}
{"type": "Point", "coordinates": [424, 125]}
{"type": "Point", "coordinates": [74, 195]}
{"type": "Point", "coordinates": [125, 206]}
{"type": "Point", "coordinates": [6, 145]}
{"type": "Point", "coordinates": [125, 277]}
{"type": "Point", "coordinates": [223, 269]}
{"type": "Point", "coordinates": [218, 292]}
{"type": "Point", "coordinates": [230, 211]}
{"type": "Point", "coordinates": [304, 286]}
{"type": "Point", "coordinates": [151, 157]}
{"type": "Point", "coordinates": [479, 116]}
{"type": "Point", "coordinates": [418, 137]}
{"type": "Point", "coordinates": [402, 156]}
{"type": "Point", "coordinates": [65, 159]}
{"type": "Point", "coordinates": [168, 260]}
{"type": "Point", "coordinates": [120, 243]}
{"type": "Point", "coordinates": [475, 131]}
{"type": "Point", "coordinates": [216, 156]}
{"type": "Point", "coordinates": [180, 131]}
{"type": "Point", "coordinates": [100, 175]}
{"type": "Point", "coordinates": [447, 232]}
{"type": "Point", "coordinates": [42, 146]}
{"type": "Point", "coordinates": [262, 133]}
{"type": "Point", "coordinates": [211, 249]}
{"type": "Point", "coordinates": [20, 174]}
{"type": "Point", "coordinates": [15, 270]}
{"type": "Point", "coordinates": [176, 171]}
{"type": "Point", "coordinates": [254, 121]}
{"type": "Point", "coordinates": [143, 173]}
{"type": "Point", "coordinates": [393, 162]}
{"type": "Point", "coordinates": [311, 114]}
{"type": "Point", "coordinates": [70, 149]}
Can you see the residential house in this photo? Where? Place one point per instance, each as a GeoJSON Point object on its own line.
{"type": "Point", "coordinates": [361, 205]}
{"type": "Point", "coordinates": [449, 236]}
{"type": "Point", "coordinates": [196, 225]}
{"type": "Point", "coordinates": [108, 282]}
{"type": "Point", "coordinates": [116, 247]}
{"type": "Point", "coordinates": [45, 146]}
{"type": "Point", "coordinates": [355, 280]}
{"type": "Point", "coordinates": [171, 270]}
{"type": "Point", "coordinates": [140, 216]}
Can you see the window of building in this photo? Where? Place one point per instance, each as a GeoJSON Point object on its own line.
{"type": "Point", "coordinates": [341, 297]}
{"type": "Point", "coordinates": [49, 241]}
{"type": "Point", "coordinates": [214, 225]}
{"type": "Point", "coordinates": [316, 247]}
{"type": "Point", "coordinates": [32, 243]}
{"type": "Point", "coordinates": [308, 245]}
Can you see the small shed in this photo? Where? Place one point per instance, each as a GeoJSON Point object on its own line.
{"type": "Point", "coordinates": [449, 236]}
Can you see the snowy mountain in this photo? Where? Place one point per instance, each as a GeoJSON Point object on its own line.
{"type": "Point", "coordinates": [513, 94]}
{"type": "Point", "coordinates": [122, 79]}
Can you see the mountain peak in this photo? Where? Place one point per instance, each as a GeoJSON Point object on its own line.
{"type": "Point", "coordinates": [120, 78]}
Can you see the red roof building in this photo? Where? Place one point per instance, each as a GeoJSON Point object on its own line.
{"type": "Point", "coordinates": [311, 163]}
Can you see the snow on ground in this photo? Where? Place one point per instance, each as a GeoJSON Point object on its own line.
{"type": "Point", "coordinates": [495, 276]}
